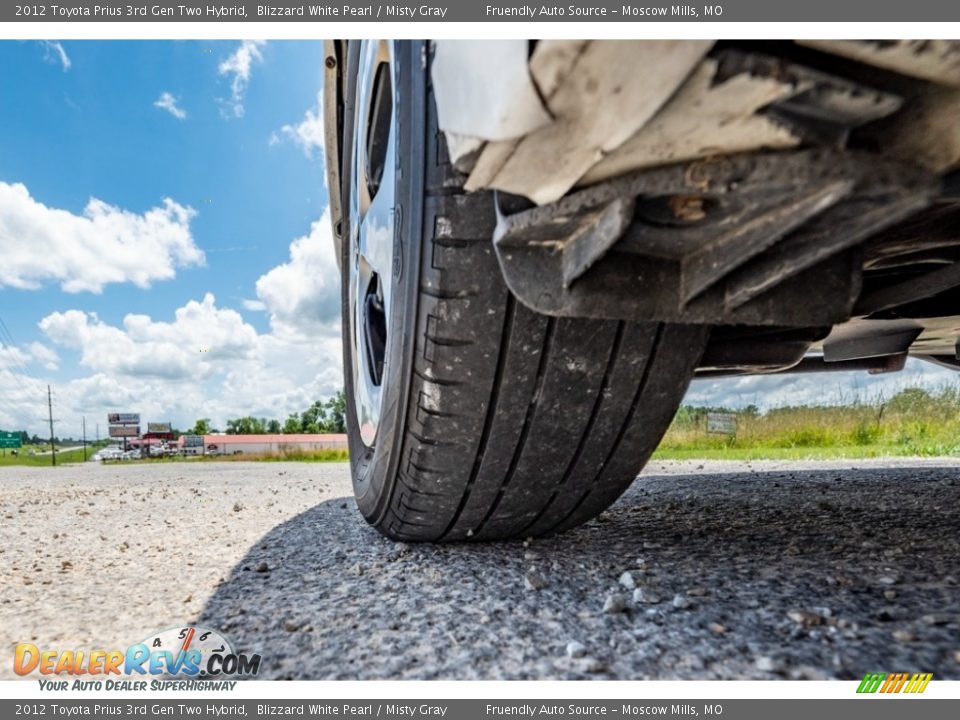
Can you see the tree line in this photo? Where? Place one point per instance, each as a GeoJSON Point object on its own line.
{"type": "Point", "coordinates": [323, 416]}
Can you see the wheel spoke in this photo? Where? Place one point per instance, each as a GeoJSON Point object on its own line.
{"type": "Point", "coordinates": [375, 242]}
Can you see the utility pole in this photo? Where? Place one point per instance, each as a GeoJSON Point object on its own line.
{"type": "Point", "coordinates": [84, 439]}
{"type": "Point", "coordinates": [53, 448]}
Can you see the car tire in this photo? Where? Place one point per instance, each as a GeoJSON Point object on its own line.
{"type": "Point", "coordinates": [495, 422]}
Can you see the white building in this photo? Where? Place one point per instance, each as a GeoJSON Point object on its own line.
{"type": "Point", "coordinates": [272, 444]}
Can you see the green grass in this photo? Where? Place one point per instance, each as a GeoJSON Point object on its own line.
{"type": "Point", "coordinates": [22, 458]}
{"type": "Point", "coordinates": [854, 452]}
{"type": "Point", "coordinates": [914, 422]}
{"type": "Point", "coordinates": [286, 456]}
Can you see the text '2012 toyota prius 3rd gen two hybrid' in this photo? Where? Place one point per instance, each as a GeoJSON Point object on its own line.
{"type": "Point", "coordinates": [541, 243]}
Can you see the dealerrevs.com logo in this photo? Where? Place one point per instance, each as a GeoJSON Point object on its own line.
{"type": "Point", "coordinates": [889, 683]}
{"type": "Point", "coordinates": [190, 652]}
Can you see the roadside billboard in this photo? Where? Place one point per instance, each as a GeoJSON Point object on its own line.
{"type": "Point", "coordinates": [722, 423]}
{"type": "Point", "coordinates": [159, 428]}
{"type": "Point", "coordinates": [193, 441]}
{"type": "Point", "coordinates": [124, 431]}
{"type": "Point", "coordinates": [123, 418]}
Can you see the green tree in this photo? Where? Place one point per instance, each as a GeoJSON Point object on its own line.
{"type": "Point", "coordinates": [291, 425]}
{"type": "Point", "coordinates": [247, 426]}
{"type": "Point", "coordinates": [273, 427]}
{"type": "Point", "coordinates": [311, 418]}
{"type": "Point", "coordinates": [334, 414]}
{"type": "Point", "coordinates": [201, 427]}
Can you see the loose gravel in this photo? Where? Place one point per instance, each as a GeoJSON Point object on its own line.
{"type": "Point", "coordinates": [702, 570]}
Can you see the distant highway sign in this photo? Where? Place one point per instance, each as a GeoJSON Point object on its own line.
{"type": "Point", "coordinates": [10, 440]}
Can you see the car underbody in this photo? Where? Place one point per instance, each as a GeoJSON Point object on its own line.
{"type": "Point", "coordinates": [801, 199]}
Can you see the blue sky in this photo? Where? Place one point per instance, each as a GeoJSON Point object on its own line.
{"type": "Point", "coordinates": [228, 132]}
{"type": "Point", "coordinates": [164, 247]}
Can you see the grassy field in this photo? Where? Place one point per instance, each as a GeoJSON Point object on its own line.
{"type": "Point", "coordinates": [287, 456]}
{"type": "Point", "coordinates": [914, 422]}
{"type": "Point", "coordinates": [23, 458]}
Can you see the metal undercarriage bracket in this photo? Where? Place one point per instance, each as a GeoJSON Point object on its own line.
{"type": "Point", "coordinates": [754, 239]}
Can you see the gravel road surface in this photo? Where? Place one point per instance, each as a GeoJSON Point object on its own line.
{"type": "Point", "coordinates": [702, 570]}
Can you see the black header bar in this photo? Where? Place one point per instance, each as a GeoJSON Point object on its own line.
{"type": "Point", "coordinates": [899, 11]}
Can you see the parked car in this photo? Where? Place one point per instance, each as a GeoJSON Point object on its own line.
{"type": "Point", "coordinates": [541, 243]}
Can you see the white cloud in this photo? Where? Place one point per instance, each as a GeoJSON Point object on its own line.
{"type": "Point", "coordinates": [53, 52]}
{"type": "Point", "coordinates": [308, 133]}
{"type": "Point", "coordinates": [85, 252]}
{"type": "Point", "coordinates": [17, 360]}
{"type": "Point", "coordinates": [200, 337]}
{"type": "Point", "coordinates": [239, 65]}
{"type": "Point", "coordinates": [303, 294]}
{"type": "Point", "coordinates": [45, 356]}
{"type": "Point", "coordinates": [12, 357]}
{"type": "Point", "coordinates": [254, 305]}
{"type": "Point", "coordinates": [206, 362]}
{"type": "Point", "coordinates": [168, 102]}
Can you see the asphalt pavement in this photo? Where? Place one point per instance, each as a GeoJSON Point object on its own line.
{"type": "Point", "coordinates": [702, 570]}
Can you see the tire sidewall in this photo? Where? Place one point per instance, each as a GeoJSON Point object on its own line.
{"type": "Point", "coordinates": [373, 469]}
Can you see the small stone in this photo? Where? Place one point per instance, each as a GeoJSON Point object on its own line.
{"type": "Point", "coordinates": [645, 596]}
{"type": "Point", "coordinates": [956, 657]}
{"type": "Point", "coordinates": [904, 636]}
{"type": "Point", "coordinates": [237, 507]}
{"type": "Point", "coordinates": [615, 603]}
{"type": "Point", "coordinates": [805, 618]}
{"type": "Point", "coordinates": [807, 672]}
{"type": "Point", "coordinates": [698, 592]}
{"type": "Point", "coordinates": [532, 581]}
{"type": "Point", "coordinates": [887, 580]}
{"type": "Point", "coordinates": [890, 594]}
{"type": "Point", "coordinates": [262, 567]}
{"type": "Point", "coordinates": [66, 565]}
{"type": "Point", "coordinates": [680, 602]}
{"type": "Point", "coordinates": [291, 625]}
{"type": "Point", "coordinates": [592, 665]}
{"type": "Point", "coordinates": [936, 619]}
{"type": "Point", "coordinates": [718, 628]}
{"type": "Point", "coordinates": [627, 581]}
{"type": "Point", "coordinates": [576, 649]}
{"type": "Point", "coordinates": [766, 663]}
